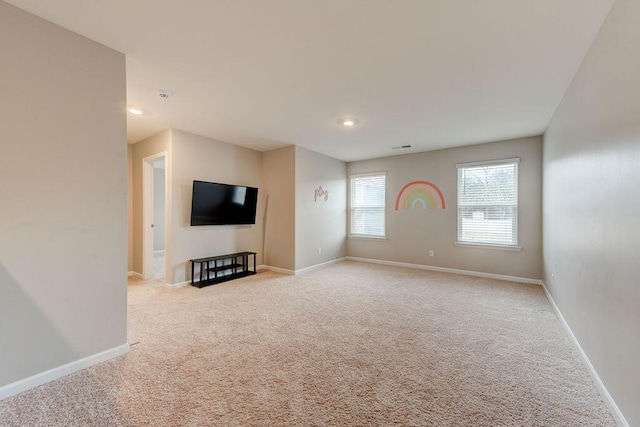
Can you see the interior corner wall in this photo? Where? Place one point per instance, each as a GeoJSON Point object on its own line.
{"type": "Point", "coordinates": [63, 193]}
{"type": "Point", "coordinates": [278, 167]}
{"type": "Point", "coordinates": [320, 208]}
{"type": "Point", "coordinates": [592, 206]}
{"type": "Point", "coordinates": [412, 233]}
{"type": "Point", "coordinates": [145, 148]}
{"type": "Point", "coordinates": [195, 157]}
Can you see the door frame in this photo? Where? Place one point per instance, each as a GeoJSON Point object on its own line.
{"type": "Point", "coordinates": [147, 213]}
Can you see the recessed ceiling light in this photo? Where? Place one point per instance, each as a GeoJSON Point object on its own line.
{"type": "Point", "coordinates": [348, 122]}
{"type": "Point", "coordinates": [135, 111]}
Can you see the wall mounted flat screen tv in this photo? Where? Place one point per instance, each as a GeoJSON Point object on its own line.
{"type": "Point", "coordinates": [223, 204]}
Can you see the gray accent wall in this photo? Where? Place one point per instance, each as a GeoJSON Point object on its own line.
{"type": "Point", "coordinates": [592, 206]}
{"type": "Point", "coordinates": [321, 208]}
{"type": "Point", "coordinates": [412, 233]}
{"type": "Point", "coordinates": [63, 197]}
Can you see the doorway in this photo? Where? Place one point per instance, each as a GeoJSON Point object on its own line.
{"type": "Point", "coordinates": [154, 213]}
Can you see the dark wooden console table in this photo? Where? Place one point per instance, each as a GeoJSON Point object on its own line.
{"type": "Point", "coordinates": [218, 269]}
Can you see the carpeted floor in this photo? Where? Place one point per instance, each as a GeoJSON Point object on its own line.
{"type": "Point", "coordinates": [348, 345]}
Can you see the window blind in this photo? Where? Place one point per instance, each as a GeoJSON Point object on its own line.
{"type": "Point", "coordinates": [367, 205]}
{"type": "Point", "coordinates": [488, 203]}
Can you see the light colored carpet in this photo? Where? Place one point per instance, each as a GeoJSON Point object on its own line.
{"type": "Point", "coordinates": [349, 345]}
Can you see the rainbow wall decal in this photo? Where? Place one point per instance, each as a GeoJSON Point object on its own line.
{"type": "Point", "coordinates": [420, 194]}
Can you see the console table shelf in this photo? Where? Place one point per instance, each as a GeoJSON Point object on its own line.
{"type": "Point", "coordinates": [233, 266]}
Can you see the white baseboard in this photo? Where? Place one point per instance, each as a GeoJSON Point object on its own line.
{"type": "Point", "coordinates": [615, 411]}
{"type": "Point", "coordinates": [448, 270]}
{"type": "Point", "coordinates": [177, 285]}
{"type": "Point", "coordinates": [61, 371]}
{"type": "Point", "coordinates": [135, 274]}
{"type": "Point", "coordinates": [322, 265]}
{"type": "Point", "coordinates": [302, 270]}
{"type": "Point", "coordinates": [276, 269]}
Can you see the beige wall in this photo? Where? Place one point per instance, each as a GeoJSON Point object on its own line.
{"type": "Point", "coordinates": [592, 206]}
{"type": "Point", "coordinates": [280, 220]}
{"type": "Point", "coordinates": [320, 224]}
{"type": "Point", "coordinates": [278, 174]}
{"type": "Point", "coordinates": [195, 157]}
{"type": "Point", "coordinates": [412, 233]}
{"type": "Point", "coordinates": [156, 144]}
{"type": "Point", "coordinates": [63, 197]}
{"type": "Point", "coordinates": [129, 208]}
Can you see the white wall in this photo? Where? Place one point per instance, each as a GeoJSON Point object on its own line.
{"type": "Point", "coordinates": [63, 195]}
{"type": "Point", "coordinates": [320, 221]}
{"type": "Point", "coordinates": [412, 233]}
{"type": "Point", "coordinates": [195, 157]}
{"type": "Point", "coordinates": [279, 176]}
{"type": "Point", "coordinates": [592, 206]}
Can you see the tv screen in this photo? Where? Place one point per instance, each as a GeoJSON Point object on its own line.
{"type": "Point", "coordinates": [223, 204]}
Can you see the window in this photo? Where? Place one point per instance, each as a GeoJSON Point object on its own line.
{"type": "Point", "coordinates": [367, 205]}
{"type": "Point", "coordinates": [488, 203]}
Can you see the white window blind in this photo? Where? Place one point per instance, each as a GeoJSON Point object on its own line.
{"type": "Point", "coordinates": [367, 204]}
{"type": "Point", "coordinates": [488, 203]}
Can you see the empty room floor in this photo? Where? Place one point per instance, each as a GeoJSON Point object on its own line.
{"type": "Point", "coordinates": [351, 344]}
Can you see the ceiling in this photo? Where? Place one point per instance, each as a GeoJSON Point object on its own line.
{"type": "Point", "coordinates": [265, 74]}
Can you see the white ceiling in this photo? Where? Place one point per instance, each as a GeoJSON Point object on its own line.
{"type": "Point", "coordinates": [268, 73]}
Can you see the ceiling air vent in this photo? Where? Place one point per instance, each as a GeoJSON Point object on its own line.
{"type": "Point", "coordinates": [400, 147]}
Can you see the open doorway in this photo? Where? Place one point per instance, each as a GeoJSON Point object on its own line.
{"type": "Point", "coordinates": [154, 193]}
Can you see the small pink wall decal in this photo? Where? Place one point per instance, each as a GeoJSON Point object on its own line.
{"type": "Point", "coordinates": [321, 193]}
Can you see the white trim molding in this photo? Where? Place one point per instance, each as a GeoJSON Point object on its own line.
{"type": "Point", "coordinates": [302, 270]}
{"type": "Point", "coordinates": [615, 411]}
{"type": "Point", "coordinates": [276, 269]}
{"type": "Point", "coordinates": [489, 246]}
{"type": "Point", "coordinates": [177, 285]}
{"type": "Point", "coordinates": [449, 270]}
{"type": "Point", "coordinates": [61, 371]}
{"type": "Point", "coordinates": [134, 274]}
{"type": "Point", "coordinates": [488, 162]}
{"type": "Point", "coordinates": [322, 265]}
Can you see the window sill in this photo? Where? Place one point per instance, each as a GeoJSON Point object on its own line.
{"type": "Point", "coordinates": [489, 246]}
{"type": "Point", "coordinates": [362, 237]}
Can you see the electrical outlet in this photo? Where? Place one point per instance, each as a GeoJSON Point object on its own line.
{"type": "Point", "coordinates": [319, 251]}
{"type": "Point", "coordinates": [431, 253]}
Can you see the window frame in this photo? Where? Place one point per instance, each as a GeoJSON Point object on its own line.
{"type": "Point", "coordinates": [352, 235]}
{"type": "Point", "coordinates": [514, 245]}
